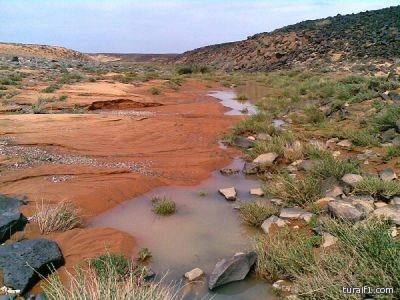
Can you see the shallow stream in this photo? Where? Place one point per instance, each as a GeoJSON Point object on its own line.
{"type": "Point", "coordinates": [204, 229]}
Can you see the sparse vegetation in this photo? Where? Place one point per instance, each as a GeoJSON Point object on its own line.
{"type": "Point", "coordinates": [255, 214]}
{"type": "Point", "coordinates": [58, 217]}
{"type": "Point", "coordinates": [163, 206]}
{"type": "Point", "coordinates": [115, 262]}
{"type": "Point", "coordinates": [378, 188]}
{"type": "Point", "coordinates": [144, 254]}
{"type": "Point", "coordinates": [52, 88]}
{"type": "Point", "coordinates": [155, 91]}
{"type": "Point", "coordinates": [192, 69]}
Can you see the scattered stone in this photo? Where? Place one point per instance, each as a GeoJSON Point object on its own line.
{"type": "Point", "coordinates": [323, 202]}
{"type": "Point", "coordinates": [328, 239]}
{"type": "Point", "coordinates": [352, 179]}
{"type": "Point", "coordinates": [396, 141]}
{"type": "Point", "coordinates": [263, 137]}
{"type": "Point", "coordinates": [336, 154]}
{"type": "Point", "coordinates": [194, 274]}
{"type": "Point", "coordinates": [390, 212]}
{"type": "Point", "coordinates": [276, 201]}
{"type": "Point", "coordinates": [281, 286]}
{"type": "Point", "coordinates": [387, 174]}
{"type": "Point", "coordinates": [307, 165]}
{"type": "Point", "coordinates": [229, 171]}
{"type": "Point", "coordinates": [330, 187]}
{"type": "Point", "coordinates": [295, 213]}
{"type": "Point", "coordinates": [367, 154]}
{"type": "Point", "coordinates": [257, 192]}
{"type": "Point", "coordinates": [331, 141]}
{"type": "Point", "coordinates": [21, 261]}
{"type": "Point", "coordinates": [250, 168]}
{"type": "Point", "coordinates": [231, 269]}
{"type": "Point", "coordinates": [364, 204]}
{"type": "Point", "coordinates": [273, 220]}
{"type": "Point", "coordinates": [251, 138]}
{"type": "Point", "coordinates": [229, 193]}
{"type": "Point", "coordinates": [393, 231]}
{"type": "Point", "coordinates": [344, 210]}
{"type": "Point", "coordinates": [266, 158]}
{"type": "Point", "coordinates": [345, 144]}
{"type": "Point", "coordinates": [388, 135]}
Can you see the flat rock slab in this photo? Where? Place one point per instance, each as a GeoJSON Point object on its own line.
{"type": "Point", "coordinates": [228, 193]}
{"type": "Point", "coordinates": [344, 210]}
{"type": "Point", "coordinates": [273, 220]}
{"type": "Point", "coordinates": [266, 158]}
{"type": "Point", "coordinates": [352, 179]}
{"type": "Point", "coordinates": [20, 262]}
{"type": "Point", "coordinates": [295, 213]}
{"type": "Point", "coordinates": [257, 192]}
{"type": "Point", "coordinates": [231, 269]}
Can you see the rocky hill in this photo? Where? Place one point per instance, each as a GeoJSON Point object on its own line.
{"type": "Point", "coordinates": [40, 51]}
{"type": "Point", "coordinates": [370, 34]}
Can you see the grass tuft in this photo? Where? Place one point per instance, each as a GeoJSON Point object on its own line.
{"type": "Point", "coordinates": [255, 214]}
{"type": "Point", "coordinates": [163, 206]}
{"type": "Point", "coordinates": [377, 188]}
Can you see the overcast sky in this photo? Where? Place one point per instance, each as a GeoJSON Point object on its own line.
{"type": "Point", "coordinates": [156, 26]}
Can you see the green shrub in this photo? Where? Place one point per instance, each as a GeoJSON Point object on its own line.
{"type": "Point", "coordinates": [102, 264]}
{"type": "Point", "coordinates": [392, 151]}
{"type": "Point", "coordinates": [362, 137]}
{"type": "Point", "coordinates": [191, 69]}
{"type": "Point", "coordinates": [155, 91]}
{"type": "Point", "coordinates": [386, 118]}
{"type": "Point", "coordinates": [51, 88]}
{"type": "Point", "coordinates": [163, 205]}
{"type": "Point", "coordinates": [255, 214]}
{"type": "Point", "coordinates": [331, 167]}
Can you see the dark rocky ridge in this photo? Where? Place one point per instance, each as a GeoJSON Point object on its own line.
{"type": "Point", "coordinates": [370, 34]}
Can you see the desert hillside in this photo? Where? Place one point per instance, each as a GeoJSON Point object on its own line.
{"type": "Point", "coordinates": [40, 51]}
{"type": "Point", "coordinates": [371, 34]}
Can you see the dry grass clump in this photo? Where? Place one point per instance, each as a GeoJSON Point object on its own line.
{"type": "Point", "coordinates": [255, 214]}
{"type": "Point", "coordinates": [111, 279]}
{"type": "Point", "coordinates": [62, 216]}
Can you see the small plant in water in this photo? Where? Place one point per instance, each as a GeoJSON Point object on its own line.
{"type": "Point", "coordinates": [144, 254]}
{"type": "Point", "coordinates": [244, 110]}
{"type": "Point", "coordinates": [163, 206]}
{"type": "Point", "coordinates": [202, 193]}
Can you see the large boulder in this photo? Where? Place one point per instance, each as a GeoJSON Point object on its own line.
{"type": "Point", "coordinates": [345, 210]}
{"type": "Point", "coordinates": [11, 220]}
{"type": "Point", "coordinates": [231, 269]}
{"type": "Point", "coordinates": [21, 262]}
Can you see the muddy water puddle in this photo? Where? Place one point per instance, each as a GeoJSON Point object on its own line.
{"type": "Point", "coordinates": [204, 229]}
{"type": "Point", "coordinates": [229, 99]}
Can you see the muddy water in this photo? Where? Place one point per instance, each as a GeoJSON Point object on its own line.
{"type": "Point", "coordinates": [253, 90]}
{"type": "Point", "coordinates": [228, 99]}
{"type": "Point", "coordinates": [204, 229]}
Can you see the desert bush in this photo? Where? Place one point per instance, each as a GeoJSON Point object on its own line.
{"type": "Point", "coordinates": [376, 187]}
{"type": "Point", "coordinates": [62, 216]}
{"type": "Point", "coordinates": [163, 205]}
{"type": "Point", "coordinates": [155, 91]}
{"type": "Point", "coordinates": [191, 69]}
{"type": "Point", "coordinates": [362, 137]}
{"type": "Point", "coordinates": [386, 118]}
{"type": "Point", "coordinates": [255, 214]}
{"type": "Point", "coordinates": [392, 151]}
{"type": "Point", "coordinates": [51, 88]}
{"type": "Point", "coordinates": [313, 151]}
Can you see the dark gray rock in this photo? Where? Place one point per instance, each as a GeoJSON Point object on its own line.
{"type": "Point", "coordinates": [232, 269]}
{"type": "Point", "coordinates": [11, 220]}
{"type": "Point", "coordinates": [242, 142]}
{"type": "Point", "coordinates": [388, 135]}
{"type": "Point", "coordinates": [387, 174]}
{"type": "Point", "coordinates": [250, 168]}
{"type": "Point", "coordinates": [20, 262]}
